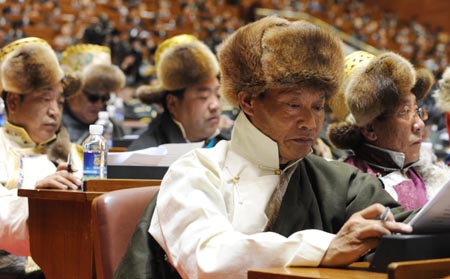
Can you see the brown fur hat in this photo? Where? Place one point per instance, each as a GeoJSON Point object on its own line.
{"type": "Point", "coordinates": [276, 53]}
{"type": "Point", "coordinates": [180, 66]}
{"type": "Point", "coordinates": [102, 78]}
{"type": "Point", "coordinates": [91, 65]}
{"type": "Point", "coordinates": [373, 85]}
{"type": "Point", "coordinates": [442, 96]}
{"type": "Point", "coordinates": [28, 65]}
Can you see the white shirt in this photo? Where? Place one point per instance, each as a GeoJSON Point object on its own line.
{"type": "Point", "coordinates": [210, 214]}
{"type": "Point", "coordinates": [22, 164]}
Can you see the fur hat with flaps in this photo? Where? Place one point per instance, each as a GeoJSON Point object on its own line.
{"type": "Point", "coordinates": [372, 86]}
{"type": "Point", "coordinates": [30, 64]}
{"type": "Point", "coordinates": [274, 53]}
{"type": "Point", "coordinates": [442, 96]}
{"type": "Point", "coordinates": [102, 78]}
{"type": "Point", "coordinates": [181, 64]}
{"type": "Point", "coordinates": [92, 64]}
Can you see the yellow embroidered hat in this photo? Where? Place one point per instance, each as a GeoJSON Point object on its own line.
{"type": "Point", "coordinates": [78, 57]}
{"type": "Point", "coordinates": [352, 61]}
{"type": "Point", "coordinates": [172, 42]}
{"type": "Point", "coordinates": [181, 61]}
{"type": "Point", "coordinates": [27, 65]}
{"type": "Point", "coordinates": [94, 66]}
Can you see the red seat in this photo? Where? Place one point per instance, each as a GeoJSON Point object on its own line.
{"type": "Point", "coordinates": [115, 215]}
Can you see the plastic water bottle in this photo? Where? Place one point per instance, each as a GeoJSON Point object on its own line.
{"type": "Point", "coordinates": [95, 154]}
{"type": "Point", "coordinates": [103, 119]}
{"type": "Point", "coordinates": [120, 110]}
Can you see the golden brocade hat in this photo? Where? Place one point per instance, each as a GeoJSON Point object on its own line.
{"type": "Point", "coordinates": [94, 66]}
{"type": "Point", "coordinates": [181, 61]}
{"type": "Point", "coordinates": [355, 59]}
{"type": "Point", "coordinates": [4, 51]}
{"type": "Point", "coordinates": [172, 42]}
{"type": "Point", "coordinates": [30, 64]}
{"type": "Point", "coordinates": [351, 62]}
{"type": "Point", "coordinates": [77, 57]}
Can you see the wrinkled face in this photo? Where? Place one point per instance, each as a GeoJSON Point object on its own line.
{"type": "Point", "coordinates": [402, 130]}
{"type": "Point", "coordinates": [39, 113]}
{"type": "Point", "coordinates": [85, 106]}
{"type": "Point", "coordinates": [199, 110]}
{"type": "Point", "coordinates": [291, 118]}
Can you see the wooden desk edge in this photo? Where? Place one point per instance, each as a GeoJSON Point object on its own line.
{"type": "Point", "coordinates": [54, 194]}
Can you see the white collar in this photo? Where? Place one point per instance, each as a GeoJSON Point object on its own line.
{"type": "Point", "coordinates": [183, 132]}
{"type": "Point", "coordinates": [397, 157]}
{"type": "Point", "coordinates": [247, 140]}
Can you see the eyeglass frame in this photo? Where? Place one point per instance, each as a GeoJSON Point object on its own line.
{"type": "Point", "coordinates": [421, 112]}
{"type": "Point", "coordinates": [94, 98]}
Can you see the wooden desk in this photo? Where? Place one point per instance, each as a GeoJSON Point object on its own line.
{"type": "Point", "coordinates": [60, 227]}
{"type": "Point", "coordinates": [355, 271]}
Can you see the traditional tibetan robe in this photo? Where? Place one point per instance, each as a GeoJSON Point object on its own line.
{"type": "Point", "coordinates": [214, 216]}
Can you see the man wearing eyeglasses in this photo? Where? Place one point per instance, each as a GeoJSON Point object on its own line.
{"type": "Point", "coordinates": [92, 63]}
{"type": "Point", "coordinates": [384, 128]}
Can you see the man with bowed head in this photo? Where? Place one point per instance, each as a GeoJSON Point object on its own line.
{"type": "Point", "coordinates": [188, 90]}
{"type": "Point", "coordinates": [33, 146]}
{"type": "Point", "coordinates": [262, 199]}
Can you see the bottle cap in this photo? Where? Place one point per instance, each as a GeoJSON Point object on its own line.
{"type": "Point", "coordinates": [96, 129]}
{"type": "Point", "coordinates": [103, 115]}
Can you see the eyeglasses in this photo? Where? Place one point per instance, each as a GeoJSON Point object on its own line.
{"type": "Point", "coordinates": [94, 98]}
{"type": "Point", "coordinates": [408, 113]}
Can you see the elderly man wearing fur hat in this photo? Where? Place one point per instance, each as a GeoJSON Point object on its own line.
{"type": "Point", "coordinates": [188, 90]}
{"type": "Point", "coordinates": [442, 97]}
{"type": "Point", "coordinates": [100, 79]}
{"type": "Point", "coordinates": [32, 143]}
{"type": "Point", "coordinates": [384, 127]}
{"type": "Point", "coordinates": [262, 199]}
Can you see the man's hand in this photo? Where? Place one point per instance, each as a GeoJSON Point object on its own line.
{"type": "Point", "coordinates": [61, 179]}
{"type": "Point", "coordinates": [360, 234]}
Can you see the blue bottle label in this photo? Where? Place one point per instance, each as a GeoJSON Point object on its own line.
{"type": "Point", "coordinates": [94, 165]}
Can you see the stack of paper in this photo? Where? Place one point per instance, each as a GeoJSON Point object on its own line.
{"type": "Point", "coordinates": [435, 215]}
{"type": "Point", "coordinates": [163, 155]}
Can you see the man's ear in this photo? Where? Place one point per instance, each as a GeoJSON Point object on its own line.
{"type": "Point", "coordinates": [369, 132]}
{"type": "Point", "coordinates": [12, 102]}
{"type": "Point", "coordinates": [171, 102]}
{"type": "Point", "coordinates": [246, 102]}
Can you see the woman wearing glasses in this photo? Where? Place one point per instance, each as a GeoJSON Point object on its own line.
{"type": "Point", "coordinates": [382, 126]}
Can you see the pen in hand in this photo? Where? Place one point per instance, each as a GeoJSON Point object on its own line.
{"type": "Point", "coordinates": [384, 216]}
{"type": "Point", "coordinates": [69, 163]}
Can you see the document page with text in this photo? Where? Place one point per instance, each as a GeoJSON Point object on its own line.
{"type": "Point", "coordinates": [435, 215]}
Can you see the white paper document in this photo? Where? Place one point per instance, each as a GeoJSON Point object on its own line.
{"type": "Point", "coordinates": [163, 155]}
{"type": "Point", "coordinates": [435, 215]}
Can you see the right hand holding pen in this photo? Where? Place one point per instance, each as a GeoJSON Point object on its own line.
{"type": "Point", "coordinates": [61, 179]}
{"type": "Point", "coordinates": [360, 234]}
